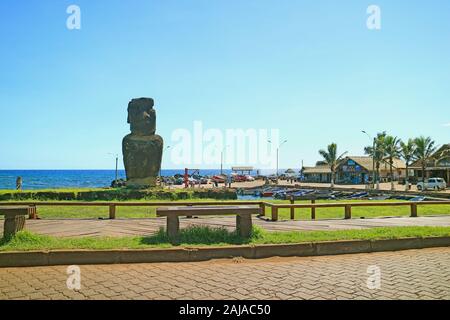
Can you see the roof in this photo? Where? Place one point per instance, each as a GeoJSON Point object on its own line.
{"type": "Point", "coordinates": [442, 152]}
{"type": "Point", "coordinates": [364, 161]}
{"type": "Point", "coordinates": [317, 169]}
{"type": "Point", "coordinates": [367, 162]}
{"type": "Point", "coordinates": [242, 168]}
{"type": "Point", "coordinates": [398, 164]}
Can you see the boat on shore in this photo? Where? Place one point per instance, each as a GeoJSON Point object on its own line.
{"type": "Point", "coordinates": [286, 193]}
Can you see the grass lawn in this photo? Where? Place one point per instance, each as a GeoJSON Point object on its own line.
{"type": "Point", "coordinates": [204, 236]}
{"type": "Point", "coordinates": [359, 212]}
{"type": "Point", "coordinates": [49, 212]}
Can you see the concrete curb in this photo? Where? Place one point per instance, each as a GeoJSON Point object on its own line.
{"type": "Point", "coordinates": [80, 257]}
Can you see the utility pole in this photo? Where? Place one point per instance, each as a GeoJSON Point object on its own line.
{"type": "Point", "coordinates": [373, 163]}
{"type": "Point", "coordinates": [221, 162]}
{"type": "Point", "coordinates": [221, 159]}
{"type": "Point", "coordinates": [117, 165]}
{"type": "Point", "coordinates": [160, 168]}
{"type": "Point", "coordinates": [373, 157]}
{"type": "Point", "coordinates": [278, 151]}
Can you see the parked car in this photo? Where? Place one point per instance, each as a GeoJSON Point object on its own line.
{"type": "Point", "coordinates": [432, 184]}
{"type": "Point", "coordinates": [249, 178]}
{"type": "Point", "coordinates": [178, 181]}
{"type": "Point", "coordinates": [239, 178]}
{"type": "Point", "coordinates": [218, 179]}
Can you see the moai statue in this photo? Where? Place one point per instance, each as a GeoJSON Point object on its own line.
{"type": "Point", "coordinates": [142, 148]}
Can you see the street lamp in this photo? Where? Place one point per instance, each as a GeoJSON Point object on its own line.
{"type": "Point", "coordinates": [221, 159]}
{"type": "Point", "coordinates": [117, 163]}
{"type": "Point", "coordinates": [373, 158]}
{"type": "Point", "coordinates": [278, 149]}
{"type": "Point", "coordinates": [160, 168]}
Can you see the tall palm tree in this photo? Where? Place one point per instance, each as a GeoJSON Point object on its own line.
{"type": "Point", "coordinates": [392, 150]}
{"type": "Point", "coordinates": [424, 150]}
{"type": "Point", "coordinates": [332, 159]}
{"type": "Point", "coordinates": [407, 152]}
{"type": "Point", "coordinates": [378, 153]}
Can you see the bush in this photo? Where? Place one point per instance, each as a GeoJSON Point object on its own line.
{"type": "Point", "coordinates": [52, 195]}
{"type": "Point", "coordinates": [121, 194]}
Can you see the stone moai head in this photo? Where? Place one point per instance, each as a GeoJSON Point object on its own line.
{"type": "Point", "coordinates": [142, 117]}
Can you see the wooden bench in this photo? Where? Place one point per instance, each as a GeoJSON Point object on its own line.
{"type": "Point", "coordinates": [14, 219]}
{"type": "Point", "coordinates": [243, 216]}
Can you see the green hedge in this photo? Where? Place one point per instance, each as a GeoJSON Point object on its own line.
{"type": "Point", "coordinates": [119, 194]}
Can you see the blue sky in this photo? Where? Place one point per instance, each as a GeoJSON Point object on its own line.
{"type": "Point", "coordinates": [311, 69]}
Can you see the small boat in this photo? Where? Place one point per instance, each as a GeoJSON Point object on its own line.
{"type": "Point", "coordinates": [269, 192]}
{"type": "Point", "coordinates": [358, 195]}
{"type": "Point", "coordinates": [382, 197]}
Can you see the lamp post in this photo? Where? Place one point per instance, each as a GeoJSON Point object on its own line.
{"type": "Point", "coordinates": [221, 159]}
{"type": "Point", "coordinates": [373, 158]}
{"type": "Point", "coordinates": [278, 149]}
{"type": "Point", "coordinates": [117, 164]}
{"type": "Point", "coordinates": [160, 168]}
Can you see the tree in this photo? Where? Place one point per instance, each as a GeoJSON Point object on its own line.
{"type": "Point", "coordinates": [330, 157]}
{"type": "Point", "coordinates": [378, 153]}
{"type": "Point", "coordinates": [424, 150]}
{"type": "Point", "coordinates": [392, 151]}
{"type": "Point", "coordinates": [407, 152]}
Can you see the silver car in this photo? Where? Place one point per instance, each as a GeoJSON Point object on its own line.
{"type": "Point", "coordinates": [432, 184]}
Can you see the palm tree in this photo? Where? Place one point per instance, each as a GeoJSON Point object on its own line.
{"type": "Point", "coordinates": [392, 151]}
{"type": "Point", "coordinates": [330, 157]}
{"type": "Point", "coordinates": [424, 150]}
{"type": "Point", "coordinates": [378, 153]}
{"type": "Point", "coordinates": [407, 152]}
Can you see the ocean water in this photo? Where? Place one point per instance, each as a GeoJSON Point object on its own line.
{"type": "Point", "coordinates": [46, 179]}
{"type": "Point", "coordinates": [50, 179]}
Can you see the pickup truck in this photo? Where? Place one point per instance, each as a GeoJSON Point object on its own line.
{"type": "Point", "coordinates": [432, 184]}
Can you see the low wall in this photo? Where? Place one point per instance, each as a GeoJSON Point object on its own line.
{"type": "Point", "coordinates": [119, 194]}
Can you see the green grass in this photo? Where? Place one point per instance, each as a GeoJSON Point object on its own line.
{"type": "Point", "coordinates": [54, 212]}
{"type": "Point", "coordinates": [207, 236]}
{"type": "Point", "coordinates": [359, 212]}
{"type": "Point", "coordinates": [92, 212]}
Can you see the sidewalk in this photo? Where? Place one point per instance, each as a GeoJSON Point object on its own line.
{"type": "Point", "coordinates": [411, 274]}
{"type": "Point", "coordinates": [143, 227]}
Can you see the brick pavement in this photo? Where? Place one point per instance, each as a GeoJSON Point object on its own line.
{"type": "Point", "coordinates": [412, 274]}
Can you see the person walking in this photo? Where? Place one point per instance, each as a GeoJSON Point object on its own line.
{"type": "Point", "coordinates": [19, 183]}
{"type": "Point", "coordinates": [229, 180]}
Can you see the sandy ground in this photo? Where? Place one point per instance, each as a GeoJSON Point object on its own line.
{"type": "Point", "coordinates": [245, 185]}
{"type": "Point", "coordinates": [260, 183]}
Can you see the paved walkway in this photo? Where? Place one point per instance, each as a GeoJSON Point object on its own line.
{"type": "Point", "coordinates": [386, 186]}
{"type": "Point", "coordinates": [413, 274]}
{"type": "Point", "coordinates": [142, 227]}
